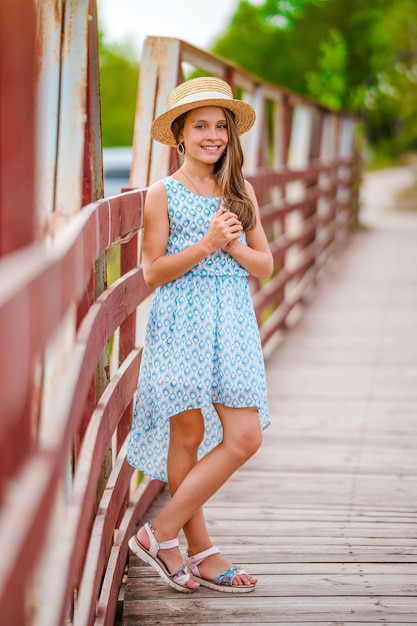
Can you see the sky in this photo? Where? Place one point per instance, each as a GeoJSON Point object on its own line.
{"type": "Point", "coordinates": [196, 21]}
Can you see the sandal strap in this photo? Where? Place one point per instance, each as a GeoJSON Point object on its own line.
{"type": "Point", "coordinates": [195, 560]}
{"type": "Point", "coordinates": [226, 579]}
{"type": "Point", "coordinates": [154, 545]}
{"type": "Point", "coordinates": [181, 576]}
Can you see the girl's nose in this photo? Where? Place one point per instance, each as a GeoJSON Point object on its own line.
{"type": "Point", "coordinates": [213, 132]}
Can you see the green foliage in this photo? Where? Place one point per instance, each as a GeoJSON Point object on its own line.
{"type": "Point", "coordinates": [119, 71]}
{"type": "Point", "coordinates": [347, 54]}
{"type": "Point", "coordinates": [263, 40]}
{"type": "Point", "coordinates": [329, 84]}
{"type": "Point", "coordinates": [392, 101]}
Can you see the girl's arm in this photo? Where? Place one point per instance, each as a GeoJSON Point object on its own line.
{"type": "Point", "coordinates": [256, 257]}
{"type": "Point", "coordinates": [158, 268]}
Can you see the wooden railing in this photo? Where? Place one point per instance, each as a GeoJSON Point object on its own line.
{"type": "Point", "coordinates": [69, 500]}
{"type": "Point", "coordinates": [324, 214]}
{"type": "Point", "coordinates": [45, 285]}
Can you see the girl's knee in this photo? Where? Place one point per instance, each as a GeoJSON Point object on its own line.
{"type": "Point", "coordinates": [191, 441]}
{"type": "Point", "coordinates": [246, 442]}
{"type": "Point", "coordinates": [187, 431]}
{"type": "Point", "coordinates": [253, 440]}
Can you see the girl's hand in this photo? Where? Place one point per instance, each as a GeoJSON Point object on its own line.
{"type": "Point", "coordinates": [224, 228]}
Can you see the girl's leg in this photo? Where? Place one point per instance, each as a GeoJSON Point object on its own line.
{"type": "Point", "coordinates": [241, 439]}
{"type": "Point", "coordinates": [186, 433]}
{"type": "Point", "coordinates": [198, 539]}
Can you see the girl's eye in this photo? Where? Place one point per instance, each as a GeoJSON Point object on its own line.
{"type": "Point", "coordinates": [220, 126]}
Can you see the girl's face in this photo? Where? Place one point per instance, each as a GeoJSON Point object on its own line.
{"type": "Point", "coordinates": [205, 134]}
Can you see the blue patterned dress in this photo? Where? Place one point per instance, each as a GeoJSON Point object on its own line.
{"type": "Point", "coordinates": [202, 342]}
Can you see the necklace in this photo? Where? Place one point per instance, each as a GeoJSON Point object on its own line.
{"type": "Point", "coordinates": [195, 187]}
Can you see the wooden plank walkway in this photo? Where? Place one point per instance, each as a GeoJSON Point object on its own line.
{"type": "Point", "coordinates": [325, 514]}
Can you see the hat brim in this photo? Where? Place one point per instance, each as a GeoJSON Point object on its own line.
{"type": "Point", "coordinates": [244, 117]}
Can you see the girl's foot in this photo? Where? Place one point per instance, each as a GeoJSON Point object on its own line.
{"type": "Point", "coordinates": [164, 557]}
{"type": "Point", "coordinates": [212, 570]}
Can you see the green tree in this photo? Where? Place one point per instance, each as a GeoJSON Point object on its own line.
{"type": "Point", "coordinates": [289, 48]}
{"type": "Point", "coordinates": [263, 39]}
{"type": "Point", "coordinates": [392, 99]}
{"type": "Point", "coordinates": [347, 54]}
{"type": "Point", "coordinates": [119, 71]}
{"type": "Point", "coordinates": [329, 84]}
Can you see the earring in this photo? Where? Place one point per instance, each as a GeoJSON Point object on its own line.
{"type": "Point", "coordinates": [181, 148]}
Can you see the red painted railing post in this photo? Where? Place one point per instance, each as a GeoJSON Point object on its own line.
{"type": "Point", "coordinates": [17, 124]}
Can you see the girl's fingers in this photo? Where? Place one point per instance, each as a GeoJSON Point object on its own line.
{"type": "Point", "coordinates": [227, 215]}
{"type": "Point", "coordinates": [225, 227]}
{"type": "Point", "coordinates": [221, 211]}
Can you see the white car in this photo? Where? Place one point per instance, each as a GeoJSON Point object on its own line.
{"type": "Point", "coordinates": [116, 165]}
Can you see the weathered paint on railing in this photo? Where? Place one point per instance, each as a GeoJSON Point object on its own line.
{"type": "Point", "coordinates": [65, 562]}
{"type": "Point", "coordinates": [17, 123]}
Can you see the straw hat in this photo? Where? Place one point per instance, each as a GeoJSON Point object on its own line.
{"type": "Point", "coordinates": [201, 92]}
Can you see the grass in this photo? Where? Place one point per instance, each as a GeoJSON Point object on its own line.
{"type": "Point", "coordinates": [113, 264]}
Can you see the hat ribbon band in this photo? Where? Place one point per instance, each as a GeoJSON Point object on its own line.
{"type": "Point", "coordinates": [202, 95]}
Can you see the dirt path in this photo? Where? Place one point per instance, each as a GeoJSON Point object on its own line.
{"type": "Point", "coordinates": [379, 191]}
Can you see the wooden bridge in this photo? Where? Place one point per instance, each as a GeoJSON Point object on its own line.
{"type": "Point", "coordinates": [70, 353]}
{"type": "Point", "coordinates": [325, 514]}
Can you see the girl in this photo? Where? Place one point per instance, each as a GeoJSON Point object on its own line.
{"type": "Point", "coordinates": [202, 400]}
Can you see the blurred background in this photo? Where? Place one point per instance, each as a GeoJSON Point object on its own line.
{"type": "Point", "coordinates": [353, 55]}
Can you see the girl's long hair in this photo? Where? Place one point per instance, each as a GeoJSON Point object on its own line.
{"type": "Point", "coordinates": [228, 172]}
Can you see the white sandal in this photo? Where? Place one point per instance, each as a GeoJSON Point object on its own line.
{"type": "Point", "coordinates": [179, 579]}
{"type": "Point", "coordinates": [222, 582]}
